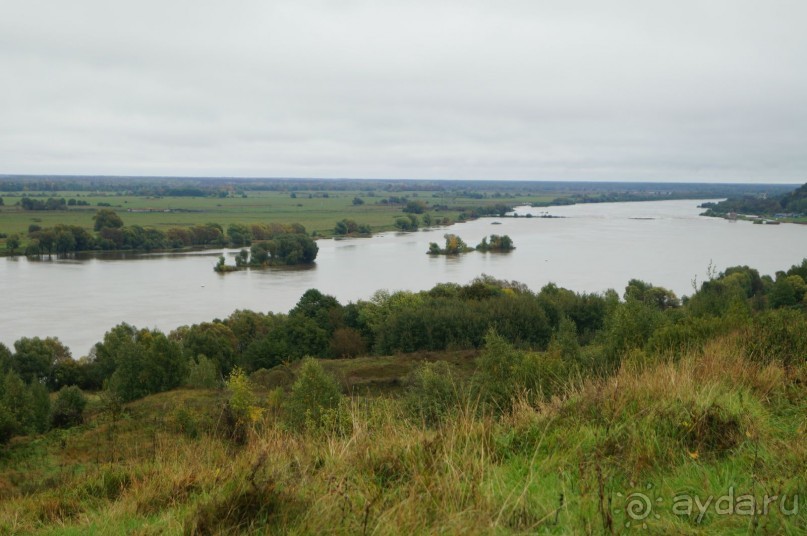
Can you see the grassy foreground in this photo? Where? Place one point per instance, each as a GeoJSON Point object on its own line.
{"type": "Point", "coordinates": [605, 456]}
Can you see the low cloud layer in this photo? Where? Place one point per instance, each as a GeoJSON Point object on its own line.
{"type": "Point", "coordinates": [687, 91]}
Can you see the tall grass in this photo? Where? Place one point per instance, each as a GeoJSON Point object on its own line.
{"type": "Point", "coordinates": [704, 423]}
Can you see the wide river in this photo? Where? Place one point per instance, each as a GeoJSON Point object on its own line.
{"type": "Point", "coordinates": [591, 248]}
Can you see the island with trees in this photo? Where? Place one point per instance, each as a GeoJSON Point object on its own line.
{"type": "Point", "coordinates": [282, 250]}
{"type": "Point", "coordinates": [454, 245]}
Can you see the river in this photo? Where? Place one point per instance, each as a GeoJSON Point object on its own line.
{"type": "Point", "coordinates": [590, 247]}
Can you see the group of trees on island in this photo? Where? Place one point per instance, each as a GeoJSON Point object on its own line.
{"type": "Point", "coordinates": [282, 250]}
{"type": "Point", "coordinates": [454, 245]}
{"type": "Point", "coordinates": [112, 234]}
{"type": "Point", "coordinates": [590, 332]}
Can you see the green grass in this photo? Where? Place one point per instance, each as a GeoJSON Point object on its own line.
{"type": "Point", "coordinates": [317, 214]}
{"type": "Point", "coordinates": [705, 424]}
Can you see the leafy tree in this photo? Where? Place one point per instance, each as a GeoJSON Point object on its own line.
{"type": "Point", "coordinates": [68, 407]}
{"type": "Point", "coordinates": [28, 405]}
{"type": "Point", "coordinates": [105, 218]}
{"type": "Point", "coordinates": [455, 245]}
{"type": "Point", "coordinates": [213, 339]}
{"type": "Point", "coordinates": [324, 309]}
{"type": "Point", "coordinates": [564, 342]}
{"type": "Point", "coordinates": [787, 291]}
{"type": "Point", "coordinates": [356, 201]}
{"type": "Point", "coordinates": [239, 234]}
{"type": "Point", "coordinates": [13, 243]}
{"type": "Point", "coordinates": [5, 359]}
{"type": "Point", "coordinates": [407, 223]}
{"type": "Point", "coordinates": [497, 244]}
{"type": "Point", "coordinates": [290, 338]}
{"type": "Point", "coordinates": [291, 249]}
{"type": "Point", "coordinates": [149, 363]}
{"type": "Point", "coordinates": [347, 342]}
{"type": "Point", "coordinates": [34, 357]}
{"type": "Point", "coordinates": [628, 327]}
{"type": "Point", "coordinates": [203, 373]}
{"type": "Point", "coordinates": [415, 207]}
{"type": "Point", "coordinates": [658, 297]}
{"type": "Point", "coordinates": [248, 326]}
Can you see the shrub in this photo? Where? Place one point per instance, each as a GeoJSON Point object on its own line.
{"type": "Point", "coordinates": [312, 396]}
{"type": "Point", "coordinates": [202, 374]}
{"type": "Point", "coordinates": [347, 342]}
{"type": "Point", "coordinates": [239, 411]}
{"type": "Point", "coordinates": [68, 407]}
{"type": "Point", "coordinates": [504, 373]}
{"type": "Point", "coordinates": [431, 392]}
{"type": "Point", "coordinates": [779, 335]}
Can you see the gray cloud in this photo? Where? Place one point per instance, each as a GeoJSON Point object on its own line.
{"type": "Point", "coordinates": [624, 90]}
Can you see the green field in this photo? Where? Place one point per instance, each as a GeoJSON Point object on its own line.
{"type": "Point", "coordinates": [318, 213]}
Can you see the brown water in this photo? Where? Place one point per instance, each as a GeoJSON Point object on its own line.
{"type": "Point", "coordinates": [592, 248]}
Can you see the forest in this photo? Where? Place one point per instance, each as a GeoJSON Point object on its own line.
{"type": "Point", "coordinates": [790, 205]}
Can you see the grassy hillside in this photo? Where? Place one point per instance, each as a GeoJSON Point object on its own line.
{"type": "Point", "coordinates": [602, 455]}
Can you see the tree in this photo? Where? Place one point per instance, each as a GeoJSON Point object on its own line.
{"type": "Point", "coordinates": [107, 218]}
{"type": "Point", "coordinates": [13, 243]}
{"type": "Point", "coordinates": [497, 244]}
{"type": "Point", "coordinates": [658, 297]}
{"type": "Point", "coordinates": [324, 309]}
{"type": "Point", "coordinates": [239, 235]}
{"type": "Point", "coordinates": [408, 223]}
{"type": "Point", "coordinates": [213, 339]}
{"type": "Point", "coordinates": [68, 408]}
{"type": "Point", "coordinates": [5, 359]}
{"type": "Point", "coordinates": [415, 207]}
{"type": "Point", "coordinates": [151, 363]}
{"type": "Point", "coordinates": [358, 201]}
{"type": "Point", "coordinates": [34, 358]}
{"type": "Point", "coordinates": [291, 249]}
{"type": "Point", "coordinates": [345, 227]}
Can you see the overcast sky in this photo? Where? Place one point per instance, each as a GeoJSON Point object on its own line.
{"type": "Point", "coordinates": [545, 90]}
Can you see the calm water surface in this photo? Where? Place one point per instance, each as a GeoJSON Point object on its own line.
{"type": "Point", "coordinates": [592, 248]}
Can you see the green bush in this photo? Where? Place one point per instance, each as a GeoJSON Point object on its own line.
{"type": "Point", "coordinates": [432, 392]}
{"type": "Point", "coordinates": [314, 397]}
{"type": "Point", "coordinates": [202, 374]}
{"type": "Point", "coordinates": [779, 335]}
{"type": "Point", "coordinates": [504, 373]}
{"type": "Point", "coordinates": [68, 408]}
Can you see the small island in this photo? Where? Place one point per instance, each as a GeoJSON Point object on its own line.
{"type": "Point", "coordinates": [283, 250]}
{"type": "Point", "coordinates": [455, 245]}
{"type": "Point", "coordinates": [496, 244]}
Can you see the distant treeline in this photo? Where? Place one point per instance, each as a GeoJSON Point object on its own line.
{"type": "Point", "coordinates": [794, 203]}
{"type": "Point", "coordinates": [198, 186]}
